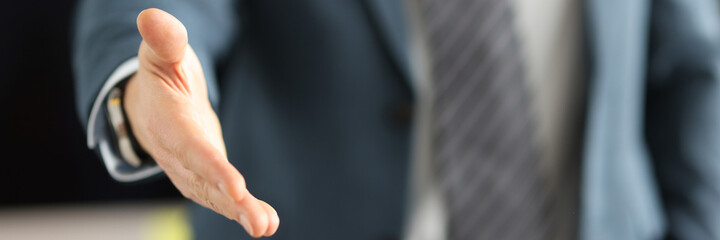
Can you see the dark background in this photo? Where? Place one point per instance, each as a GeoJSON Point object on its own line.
{"type": "Point", "coordinates": [43, 156]}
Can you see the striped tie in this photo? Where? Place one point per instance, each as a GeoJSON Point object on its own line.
{"type": "Point", "coordinates": [483, 143]}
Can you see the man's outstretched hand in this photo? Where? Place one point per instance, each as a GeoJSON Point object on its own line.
{"type": "Point", "coordinates": [168, 108]}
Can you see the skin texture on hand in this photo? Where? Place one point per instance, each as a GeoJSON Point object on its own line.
{"type": "Point", "coordinates": [168, 108]}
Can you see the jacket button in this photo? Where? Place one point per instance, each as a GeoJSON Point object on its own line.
{"type": "Point", "coordinates": [401, 114]}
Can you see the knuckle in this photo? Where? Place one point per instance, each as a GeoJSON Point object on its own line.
{"type": "Point", "coordinates": [194, 181]}
{"type": "Point", "coordinates": [204, 188]}
{"type": "Point", "coordinates": [177, 149]}
{"type": "Point", "coordinates": [200, 187]}
{"type": "Point", "coordinates": [197, 186]}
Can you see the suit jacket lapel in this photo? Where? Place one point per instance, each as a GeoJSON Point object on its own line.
{"type": "Point", "coordinates": [620, 198]}
{"type": "Point", "coordinates": [388, 18]}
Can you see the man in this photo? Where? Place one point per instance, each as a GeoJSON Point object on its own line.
{"type": "Point", "coordinates": [318, 102]}
{"type": "Point", "coordinates": [315, 110]}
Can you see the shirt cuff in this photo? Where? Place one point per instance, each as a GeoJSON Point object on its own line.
{"type": "Point", "coordinates": [98, 132]}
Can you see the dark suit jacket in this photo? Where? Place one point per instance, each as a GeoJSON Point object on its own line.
{"type": "Point", "coordinates": [313, 97]}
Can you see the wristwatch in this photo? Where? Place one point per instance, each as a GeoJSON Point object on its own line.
{"type": "Point", "coordinates": [126, 144]}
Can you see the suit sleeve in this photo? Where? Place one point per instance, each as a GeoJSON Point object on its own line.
{"type": "Point", "coordinates": [683, 114]}
{"type": "Point", "coordinates": [105, 45]}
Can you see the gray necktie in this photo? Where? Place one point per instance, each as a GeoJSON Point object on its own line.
{"type": "Point", "coordinates": [483, 139]}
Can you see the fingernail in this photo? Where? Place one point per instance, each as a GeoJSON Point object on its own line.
{"type": "Point", "coordinates": [246, 224]}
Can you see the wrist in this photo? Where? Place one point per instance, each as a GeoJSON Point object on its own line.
{"type": "Point", "coordinates": [125, 140]}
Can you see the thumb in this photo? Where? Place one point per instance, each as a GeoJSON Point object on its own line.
{"type": "Point", "coordinates": [164, 34]}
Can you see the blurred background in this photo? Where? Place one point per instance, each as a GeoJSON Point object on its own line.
{"type": "Point", "coordinates": [48, 177]}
